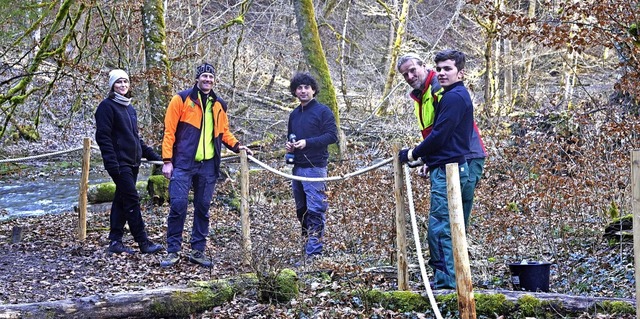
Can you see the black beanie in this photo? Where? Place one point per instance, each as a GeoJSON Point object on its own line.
{"type": "Point", "coordinates": [205, 68]}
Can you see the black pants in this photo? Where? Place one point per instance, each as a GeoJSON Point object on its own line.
{"type": "Point", "coordinates": [126, 206]}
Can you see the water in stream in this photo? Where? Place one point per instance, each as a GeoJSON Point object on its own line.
{"type": "Point", "coordinates": [42, 195]}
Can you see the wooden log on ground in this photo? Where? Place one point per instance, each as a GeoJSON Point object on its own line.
{"type": "Point", "coordinates": [570, 304]}
{"type": "Point", "coordinates": [175, 302]}
{"type": "Point", "coordinates": [167, 302]}
{"type": "Point", "coordinates": [122, 305]}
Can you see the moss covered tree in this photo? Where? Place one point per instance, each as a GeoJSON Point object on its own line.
{"type": "Point", "coordinates": [158, 69]}
{"type": "Point", "coordinates": [316, 59]}
{"type": "Point", "coordinates": [400, 26]}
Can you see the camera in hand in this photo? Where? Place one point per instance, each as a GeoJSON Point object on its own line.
{"type": "Point", "coordinates": [290, 157]}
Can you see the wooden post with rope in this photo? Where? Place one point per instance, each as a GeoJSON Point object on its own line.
{"type": "Point", "coordinates": [244, 207]}
{"type": "Point", "coordinates": [401, 235]}
{"type": "Point", "coordinates": [464, 287]}
{"type": "Point", "coordinates": [84, 186]}
{"type": "Point", "coordinates": [635, 208]}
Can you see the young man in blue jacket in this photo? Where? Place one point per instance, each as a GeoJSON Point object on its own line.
{"type": "Point", "coordinates": [448, 142]}
{"type": "Point", "coordinates": [314, 127]}
{"type": "Point", "coordinates": [426, 94]}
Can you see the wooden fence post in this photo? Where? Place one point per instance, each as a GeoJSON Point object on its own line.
{"type": "Point", "coordinates": [464, 287]}
{"type": "Point", "coordinates": [401, 234]}
{"type": "Point", "coordinates": [84, 186]}
{"type": "Point", "coordinates": [244, 207]}
{"type": "Point", "coordinates": [635, 208]}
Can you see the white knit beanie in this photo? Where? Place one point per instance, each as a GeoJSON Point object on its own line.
{"type": "Point", "coordinates": [115, 75]}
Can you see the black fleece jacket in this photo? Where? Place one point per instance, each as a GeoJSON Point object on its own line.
{"type": "Point", "coordinates": [117, 136]}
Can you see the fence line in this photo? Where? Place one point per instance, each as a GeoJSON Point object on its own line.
{"type": "Point", "coordinates": [320, 179]}
{"type": "Point", "coordinates": [253, 159]}
{"type": "Point", "coordinates": [244, 209]}
{"type": "Point", "coordinates": [11, 160]}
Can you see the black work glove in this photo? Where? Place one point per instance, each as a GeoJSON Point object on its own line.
{"type": "Point", "coordinates": [405, 155]}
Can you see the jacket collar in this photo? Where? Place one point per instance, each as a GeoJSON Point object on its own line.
{"type": "Point", "coordinates": [194, 95]}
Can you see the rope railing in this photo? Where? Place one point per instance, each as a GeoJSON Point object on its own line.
{"type": "Point", "coordinates": [320, 179]}
{"type": "Point", "coordinates": [84, 181]}
{"type": "Point", "coordinates": [11, 160]}
{"type": "Point", "coordinates": [255, 160]}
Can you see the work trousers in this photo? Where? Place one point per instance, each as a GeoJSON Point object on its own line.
{"type": "Point", "coordinates": [202, 177]}
{"type": "Point", "coordinates": [439, 232]}
{"type": "Point", "coordinates": [311, 206]}
{"type": "Point", "coordinates": [126, 206]}
{"type": "Point", "coordinates": [476, 166]}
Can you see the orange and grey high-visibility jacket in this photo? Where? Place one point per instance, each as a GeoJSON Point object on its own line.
{"type": "Point", "coordinates": [183, 125]}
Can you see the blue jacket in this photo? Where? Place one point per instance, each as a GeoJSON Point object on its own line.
{"type": "Point", "coordinates": [453, 128]}
{"type": "Point", "coordinates": [117, 136]}
{"type": "Point", "coordinates": [316, 124]}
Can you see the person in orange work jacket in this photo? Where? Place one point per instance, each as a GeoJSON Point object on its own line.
{"type": "Point", "coordinates": [196, 126]}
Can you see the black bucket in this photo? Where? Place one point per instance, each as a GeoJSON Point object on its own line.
{"type": "Point", "coordinates": [532, 276]}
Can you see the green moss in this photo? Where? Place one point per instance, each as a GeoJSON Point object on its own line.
{"type": "Point", "coordinates": [529, 305]}
{"type": "Point", "coordinates": [158, 189]}
{"type": "Point", "coordinates": [493, 304]}
{"type": "Point", "coordinates": [281, 286]}
{"type": "Point", "coordinates": [617, 307]}
{"type": "Point", "coordinates": [334, 152]}
{"type": "Point", "coordinates": [27, 132]}
{"type": "Point", "coordinates": [104, 192]}
{"type": "Point", "coordinates": [101, 193]}
{"type": "Point", "coordinates": [613, 211]}
{"type": "Point", "coordinates": [398, 300]}
{"type": "Point", "coordinates": [448, 305]}
{"type": "Point", "coordinates": [269, 138]}
{"type": "Point", "coordinates": [625, 218]}
{"type": "Point", "coordinates": [409, 301]}
{"type": "Point", "coordinates": [184, 304]}
{"type": "Point", "coordinates": [8, 168]}
{"type": "Point", "coordinates": [235, 201]}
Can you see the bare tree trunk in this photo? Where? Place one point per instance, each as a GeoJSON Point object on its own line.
{"type": "Point", "coordinates": [395, 51]}
{"type": "Point", "coordinates": [343, 47]}
{"type": "Point", "coordinates": [317, 61]}
{"type": "Point", "coordinates": [524, 86]}
{"type": "Point", "coordinates": [497, 59]}
{"type": "Point", "coordinates": [508, 76]}
{"type": "Point", "coordinates": [488, 74]}
{"type": "Point", "coordinates": [158, 71]}
{"type": "Point", "coordinates": [569, 78]}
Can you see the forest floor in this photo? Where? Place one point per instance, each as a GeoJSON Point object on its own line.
{"type": "Point", "coordinates": [533, 203]}
{"type": "Point", "coordinates": [49, 263]}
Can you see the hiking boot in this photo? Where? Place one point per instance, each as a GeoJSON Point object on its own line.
{"type": "Point", "coordinates": [118, 247]}
{"type": "Point", "coordinates": [147, 247]}
{"type": "Point", "coordinates": [198, 257]}
{"type": "Point", "coordinates": [170, 260]}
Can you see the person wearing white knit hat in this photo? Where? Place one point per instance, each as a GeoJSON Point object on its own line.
{"type": "Point", "coordinates": [121, 149]}
{"type": "Point", "coordinates": [116, 75]}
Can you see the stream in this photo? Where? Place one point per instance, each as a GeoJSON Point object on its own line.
{"type": "Point", "coordinates": [41, 195]}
